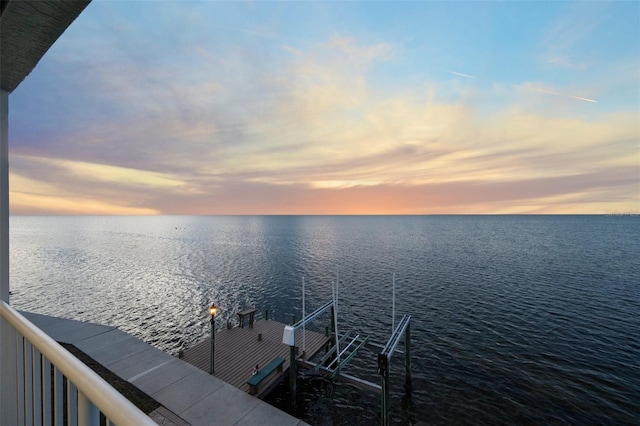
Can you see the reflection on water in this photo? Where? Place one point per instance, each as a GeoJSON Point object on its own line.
{"type": "Point", "coordinates": [514, 319]}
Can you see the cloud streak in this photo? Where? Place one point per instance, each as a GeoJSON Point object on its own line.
{"type": "Point", "coordinates": [530, 88]}
{"type": "Point", "coordinates": [459, 74]}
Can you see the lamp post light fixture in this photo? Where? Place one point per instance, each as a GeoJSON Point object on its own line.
{"type": "Point", "coordinates": [212, 311]}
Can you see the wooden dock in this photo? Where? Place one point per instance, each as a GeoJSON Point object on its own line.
{"type": "Point", "coordinates": [238, 351]}
{"type": "Point", "coordinates": [189, 396]}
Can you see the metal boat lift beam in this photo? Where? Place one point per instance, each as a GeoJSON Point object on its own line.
{"type": "Point", "coordinates": [331, 351]}
{"type": "Point", "coordinates": [351, 355]}
{"type": "Point", "coordinates": [356, 381]}
{"type": "Point", "coordinates": [342, 352]}
{"type": "Point", "coordinates": [321, 310]}
{"type": "Point", "coordinates": [390, 347]}
{"type": "Point", "coordinates": [289, 336]}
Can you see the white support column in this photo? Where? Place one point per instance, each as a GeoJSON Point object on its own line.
{"type": "Point", "coordinates": [4, 195]}
{"type": "Point", "coordinates": [7, 348]}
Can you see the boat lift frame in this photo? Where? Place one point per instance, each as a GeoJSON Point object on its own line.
{"type": "Point", "coordinates": [384, 358]}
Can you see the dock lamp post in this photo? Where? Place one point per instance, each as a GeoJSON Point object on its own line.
{"type": "Point", "coordinates": [212, 311]}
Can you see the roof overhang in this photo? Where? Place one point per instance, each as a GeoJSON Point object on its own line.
{"type": "Point", "coordinates": [27, 30]}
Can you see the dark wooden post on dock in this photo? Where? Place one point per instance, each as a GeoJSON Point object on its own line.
{"type": "Point", "coordinates": [289, 338]}
{"type": "Point", "coordinates": [383, 369]}
{"type": "Point", "coordinates": [292, 376]}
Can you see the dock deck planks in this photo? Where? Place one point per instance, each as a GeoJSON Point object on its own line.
{"type": "Point", "coordinates": [238, 351]}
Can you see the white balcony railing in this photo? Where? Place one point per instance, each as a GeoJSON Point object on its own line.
{"type": "Point", "coordinates": [35, 370]}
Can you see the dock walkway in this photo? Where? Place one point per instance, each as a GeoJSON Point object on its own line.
{"type": "Point", "coordinates": [239, 350]}
{"type": "Point", "coordinates": [189, 395]}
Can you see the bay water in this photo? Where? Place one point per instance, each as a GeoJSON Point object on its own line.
{"type": "Point", "coordinates": [514, 319]}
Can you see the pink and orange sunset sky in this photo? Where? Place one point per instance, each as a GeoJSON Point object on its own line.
{"type": "Point", "coordinates": [201, 107]}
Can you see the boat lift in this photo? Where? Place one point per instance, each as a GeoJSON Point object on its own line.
{"type": "Point", "coordinates": [335, 359]}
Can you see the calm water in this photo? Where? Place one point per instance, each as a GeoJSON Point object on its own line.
{"type": "Point", "coordinates": [514, 319]}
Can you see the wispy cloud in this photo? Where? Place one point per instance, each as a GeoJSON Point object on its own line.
{"type": "Point", "coordinates": [531, 87]}
{"type": "Point", "coordinates": [293, 50]}
{"type": "Point", "coordinates": [459, 74]}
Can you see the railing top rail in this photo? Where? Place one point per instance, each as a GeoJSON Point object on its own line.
{"type": "Point", "coordinates": [108, 400]}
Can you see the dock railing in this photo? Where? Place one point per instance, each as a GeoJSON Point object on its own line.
{"type": "Point", "coordinates": [42, 383]}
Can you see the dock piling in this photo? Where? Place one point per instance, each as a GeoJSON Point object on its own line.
{"type": "Point", "coordinates": [383, 368]}
{"type": "Point", "coordinates": [292, 375]}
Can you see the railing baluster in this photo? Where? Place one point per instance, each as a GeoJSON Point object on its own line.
{"type": "Point", "coordinates": [72, 404]}
{"type": "Point", "coordinates": [20, 377]}
{"type": "Point", "coordinates": [88, 413]}
{"type": "Point", "coordinates": [37, 387]}
{"type": "Point", "coordinates": [58, 398]}
{"type": "Point", "coordinates": [28, 383]}
{"type": "Point", "coordinates": [47, 406]}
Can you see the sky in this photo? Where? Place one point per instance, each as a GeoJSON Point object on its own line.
{"type": "Point", "coordinates": [201, 107]}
